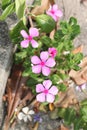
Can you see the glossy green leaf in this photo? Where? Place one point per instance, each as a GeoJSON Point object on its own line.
{"type": "Point", "coordinates": [45, 23]}
{"type": "Point", "coordinates": [20, 7]}
{"type": "Point", "coordinates": [9, 10]}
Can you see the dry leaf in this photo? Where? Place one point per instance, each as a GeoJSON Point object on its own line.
{"type": "Point", "coordinates": [45, 4]}
{"type": "Point", "coordinates": [51, 106]}
{"type": "Point", "coordinates": [62, 127]}
{"type": "Point", "coordinates": [83, 63]}
{"type": "Point", "coordinates": [17, 93]}
{"type": "Point", "coordinates": [52, 34]}
{"type": "Point", "coordinates": [66, 99]}
{"type": "Point", "coordinates": [80, 77]}
{"type": "Point", "coordinates": [78, 50]}
{"type": "Point", "coordinates": [35, 127]}
{"type": "Point", "coordinates": [42, 108]}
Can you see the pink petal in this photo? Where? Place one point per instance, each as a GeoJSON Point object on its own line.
{"type": "Point", "coordinates": [47, 84]}
{"type": "Point", "coordinates": [45, 70]}
{"type": "Point", "coordinates": [24, 43]}
{"type": "Point", "coordinates": [24, 33]}
{"type": "Point", "coordinates": [59, 13]}
{"type": "Point", "coordinates": [50, 98]}
{"type": "Point", "coordinates": [53, 90]}
{"type": "Point", "coordinates": [78, 88]}
{"type": "Point", "coordinates": [54, 17]}
{"type": "Point", "coordinates": [34, 32]}
{"type": "Point", "coordinates": [40, 97]}
{"type": "Point", "coordinates": [50, 62]}
{"type": "Point", "coordinates": [83, 86]}
{"type": "Point", "coordinates": [34, 44]}
{"type": "Point", "coordinates": [35, 60]}
{"type": "Point", "coordinates": [44, 55]}
{"type": "Point", "coordinates": [55, 7]}
{"type": "Point", "coordinates": [52, 51]}
{"type": "Point", "coordinates": [36, 69]}
{"type": "Point", "coordinates": [49, 13]}
{"type": "Point", "coordinates": [39, 88]}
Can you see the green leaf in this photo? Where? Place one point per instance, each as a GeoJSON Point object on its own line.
{"type": "Point", "coordinates": [84, 102]}
{"type": "Point", "coordinates": [37, 2]}
{"type": "Point", "coordinates": [21, 55]}
{"type": "Point", "coordinates": [61, 112]}
{"type": "Point", "coordinates": [15, 32]}
{"type": "Point", "coordinates": [45, 22]}
{"type": "Point", "coordinates": [69, 116]}
{"type": "Point", "coordinates": [9, 10]}
{"type": "Point", "coordinates": [58, 35]}
{"type": "Point", "coordinates": [26, 72]}
{"type": "Point", "coordinates": [32, 82]}
{"type": "Point", "coordinates": [73, 21]}
{"type": "Point", "coordinates": [55, 78]}
{"type": "Point", "coordinates": [65, 27]}
{"type": "Point", "coordinates": [5, 3]}
{"type": "Point", "coordinates": [46, 40]}
{"type": "Point", "coordinates": [20, 6]}
{"type": "Point", "coordinates": [84, 113]}
{"type": "Point", "coordinates": [77, 123]}
{"type": "Point", "coordinates": [62, 87]}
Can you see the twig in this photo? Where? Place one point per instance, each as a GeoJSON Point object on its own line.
{"type": "Point", "coordinates": [30, 20]}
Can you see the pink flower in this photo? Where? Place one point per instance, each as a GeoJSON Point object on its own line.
{"type": "Point", "coordinates": [52, 52]}
{"type": "Point", "coordinates": [46, 92]}
{"type": "Point", "coordinates": [28, 38]}
{"type": "Point", "coordinates": [81, 87]}
{"type": "Point", "coordinates": [54, 12]}
{"type": "Point", "coordinates": [42, 64]}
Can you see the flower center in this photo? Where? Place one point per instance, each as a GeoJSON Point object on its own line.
{"type": "Point", "coordinates": [42, 63]}
{"type": "Point", "coordinates": [29, 38]}
{"type": "Point", "coordinates": [52, 11]}
{"type": "Point", "coordinates": [46, 91]}
{"type": "Point", "coordinates": [52, 53]}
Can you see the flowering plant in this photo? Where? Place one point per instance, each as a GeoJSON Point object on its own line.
{"type": "Point", "coordinates": [45, 50]}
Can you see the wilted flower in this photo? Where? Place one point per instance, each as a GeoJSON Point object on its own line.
{"type": "Point", "coordinates": [81, 87]}
{"type": "Point", "coordinates": [26, 114]}
{"type": "Point", "coordinates": [42, 64]}
{"type": "Point", "coordinates": [46, 91]}
{"type": "Point", "coordinates": [52, 51]}
{"type": "Point", "coordinates": [54, 12]}
{"type": "Point", "coordinates": [28, 38]}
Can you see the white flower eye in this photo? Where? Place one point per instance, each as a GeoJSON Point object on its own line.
{"type": "Point", "coordinates": [25, 110]}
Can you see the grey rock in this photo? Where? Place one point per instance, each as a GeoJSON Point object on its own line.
{"type": "Point", "coordinates": [5, 60]}
{"type": "Point", "coordinates": [6, 52]}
